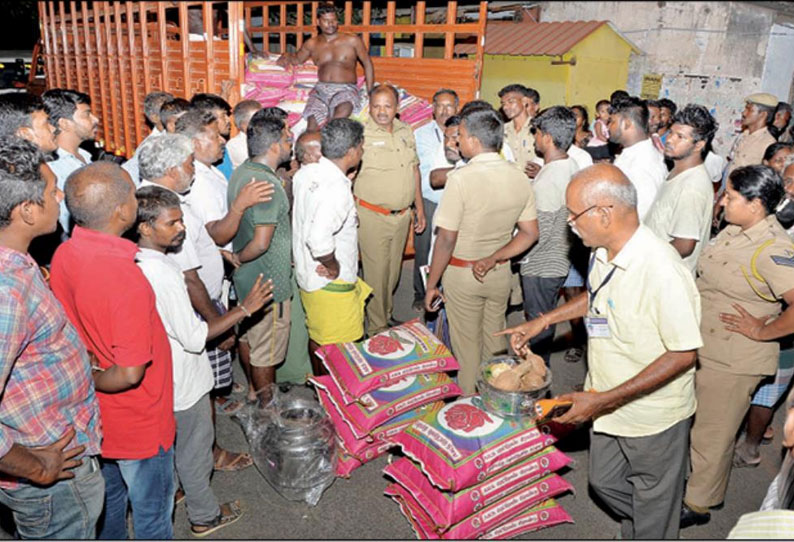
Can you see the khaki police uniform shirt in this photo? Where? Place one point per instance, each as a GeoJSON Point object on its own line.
{"type": "Point", "coordinates": [651, 306]}
{"type": "Point", "coordinates": [388, 166]}
{"type": "Point", "coordinates": [483, 201]}
{"type": "Point", "coordinates": [721, 280]}
{"type": "Point", "coordinates": [521, 143]}
{"type": "Point", "coordinates": [749, 148]}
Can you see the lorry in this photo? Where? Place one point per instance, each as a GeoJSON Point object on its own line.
{"type": "Point", "coordinates": [117, 52]}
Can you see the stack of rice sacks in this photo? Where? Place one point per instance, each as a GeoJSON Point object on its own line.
{"type": "Point", "coordinates": [289, 88]}
{"type": "Point", "coordinates": [470, 474]}
{"type": "Point", "coordinates": [378, 387]}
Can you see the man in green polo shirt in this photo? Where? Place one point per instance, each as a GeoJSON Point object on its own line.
{"type": "Point", "coordinates": [263, 245]}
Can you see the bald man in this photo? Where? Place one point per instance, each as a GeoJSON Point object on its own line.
{"type": "Point", "coordinates": [307, 148]}
{"type": "Point", "coordinates": [110, 302]}
{"type": "Point", "coordinates": [642, 313]}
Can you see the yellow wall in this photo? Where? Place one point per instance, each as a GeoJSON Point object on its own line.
{"type": "Point", "coordinates": [532, 71]}
{"type": "Point", "coordinates": [602, 64]}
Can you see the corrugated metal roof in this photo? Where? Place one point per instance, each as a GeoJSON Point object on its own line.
{"type": "Point", "coordinates": [530, 38]}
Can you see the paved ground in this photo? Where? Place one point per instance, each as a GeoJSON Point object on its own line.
{"type": "Point", "coordinates": [357, 509]}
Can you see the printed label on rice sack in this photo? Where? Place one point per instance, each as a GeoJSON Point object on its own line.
{"type": "Point", "coordinates": [401, 422]}
{"type": "Point", "coordinates": [546, 514]}
{"type": "Point", "coordinates": [346, 464]}
{"type": "Point", "coordinates": [446, 508]}
{"type": "Point", "coordinates": [463, 444]}
{"type": "Point", "coordinates": [384, 404]}
{"type": "Point", "coordinates": [490, 517]}
{"type": "Point", "coordinates": [402, 351]}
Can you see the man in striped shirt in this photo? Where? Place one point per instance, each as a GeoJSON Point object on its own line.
{"type": "Point", "coordinates": [49, 417]}
{"type": "Point", "coordinates": [544, 269]}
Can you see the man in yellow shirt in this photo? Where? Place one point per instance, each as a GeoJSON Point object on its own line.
{"type": "Point", "coordinates": [642, 313]}
{"type": "Point", "coordinates": [386, 188]}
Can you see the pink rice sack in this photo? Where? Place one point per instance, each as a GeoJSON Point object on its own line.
{"type": "Point", "coordinates": [383, 404]}
{"type": "Point", "coordinates": [463, 444]}
{"type": "Point", "coordinates": [346, 464]}
{"type": "Point", "coordinates": [486, 519]}
{"type": "Point", "coordinates": [404, 350]}
{"type": "Point", "coordinates": [445, 508]}
{"type": "Point", "coordinates": [546, 514]}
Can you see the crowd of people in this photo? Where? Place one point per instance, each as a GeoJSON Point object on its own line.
{"type": "Point", "coordinates": [128, 290]}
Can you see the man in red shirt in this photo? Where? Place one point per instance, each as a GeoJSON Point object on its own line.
{"type": "Point", "coordinates": [112, 305]}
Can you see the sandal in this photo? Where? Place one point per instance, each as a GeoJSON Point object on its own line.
{"type": "Point", "coordinates": [226, 461]}
{"type": "Point", "coordinates": [179, 496]}
{"type": "Point", "coordinates": [228, 407]}
{"type": "Point", "coordinates": [573, 355]}
{"type": "Point", "coordinates": [238, 388]}
{"type": "Point", "coordinates": [233, 512]}
{"type": "Point", "coordinates": [740, 462]}
{"type": "Point", "coordinates": [769, 435]}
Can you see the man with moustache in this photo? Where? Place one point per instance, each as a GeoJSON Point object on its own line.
{"type": "Point", "coordinates": [167, 161]}
{"type": "Point", "coordinates": [642, 312]}
{"type": "Point", "coordinates": [387, 186]}
{"type": "Point", "coordinates": [70, 112]}
{"type": "Point", "coordinates": [654, 123]}
{"type": "Point", "coordinates": [681, 213]}
{"type": "Point", "coordinates": [335, 54]}
{"type": "Point", "coordinates": [429, 150]}
{"type": "Point", "coordinates": [520, 105]}
{"type": "Point", "coordinates": [262, 245]}
{"type": "Point", "coordinates": [667, 110]}
{"type": "Point", "coordinates": [160, 229]}
{"type": "Point", "coordinates": [749, 147]}
{"type": "Point", "coordinates": [51, 435]}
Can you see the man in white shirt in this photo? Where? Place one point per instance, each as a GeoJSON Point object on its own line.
{"type": "Point", "coordinates": [167, 161]}
{"type": "Point", "coordinates": [642, 311]}
{"type": "Point", "coordinates": [237, 147]}
{"type": "Point", "coordinates": [681, 214]}
{"type": "Point", "coordinates": [160, 229]}
{"type": "Point", "coordinates": [70, 113]}
{"type": "Point", "coordinates": [151, 110]}
{"type": "Point", "coordinates": [639, 160]}
{"type": "Point", "coordinates": [430, 150]}
{"type": "Point", "coordinates": [325, 240]}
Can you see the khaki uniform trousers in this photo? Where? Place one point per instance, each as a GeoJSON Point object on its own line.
{"type": "Point", "coordinates": [722, 402]}
{"type": "Point", "coordinates": [381, 241]}
{"type": "Point", "coordinates": [476, 310]}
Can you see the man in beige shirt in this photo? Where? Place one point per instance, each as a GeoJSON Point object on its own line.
{"type": "Point", "coordinates": [681, 213]}
{"type": "Point", "coordinates": [520, 105]}
{"type": "Point", "coordinates": [642, 312]}
{"type": "Point", "coordinates": [482, 203]}
{"type": "Point", "coordinates": [749, 147]}
{"type": "Point", "coordinates": [387, 185]}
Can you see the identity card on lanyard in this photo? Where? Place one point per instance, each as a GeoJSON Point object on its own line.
{"type": "Point", "coordinates": [597, 325]}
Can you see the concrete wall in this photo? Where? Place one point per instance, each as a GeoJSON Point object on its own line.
{"type": "Point", "coordinates": [712, 53]}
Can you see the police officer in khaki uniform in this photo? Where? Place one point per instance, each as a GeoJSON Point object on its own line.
{"type": "Point", "coordinates": [482, 203]}
{"type": "Point", "coordinates": [520, 105]}
{"type": "Point", "coordinates": [749, 147]}
{"type": "Point", "coordinates": [386, 187]}
{"type": "Point", "coordinates": [743, 276]}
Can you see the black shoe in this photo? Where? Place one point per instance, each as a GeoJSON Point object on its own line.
{"type": "Point", "coordinates": [689, 517]}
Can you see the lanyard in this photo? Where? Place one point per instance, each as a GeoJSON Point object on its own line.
{"type": "Point", "coordinates": [590, 291]}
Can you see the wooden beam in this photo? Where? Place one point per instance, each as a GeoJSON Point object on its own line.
{"type": "Point", "coordinates": [449, 37]}
{"type": "Point", "coordinates": [101, 56]}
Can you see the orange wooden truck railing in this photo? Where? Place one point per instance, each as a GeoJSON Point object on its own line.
{"type": "Point", "coordinates": [117, 52]}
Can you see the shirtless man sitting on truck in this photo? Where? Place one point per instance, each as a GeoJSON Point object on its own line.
{"type": "Point", "coordinates": [335, 54]}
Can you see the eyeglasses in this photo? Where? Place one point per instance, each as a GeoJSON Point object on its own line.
{"type": "Point", "coordinates": [577, 216]}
